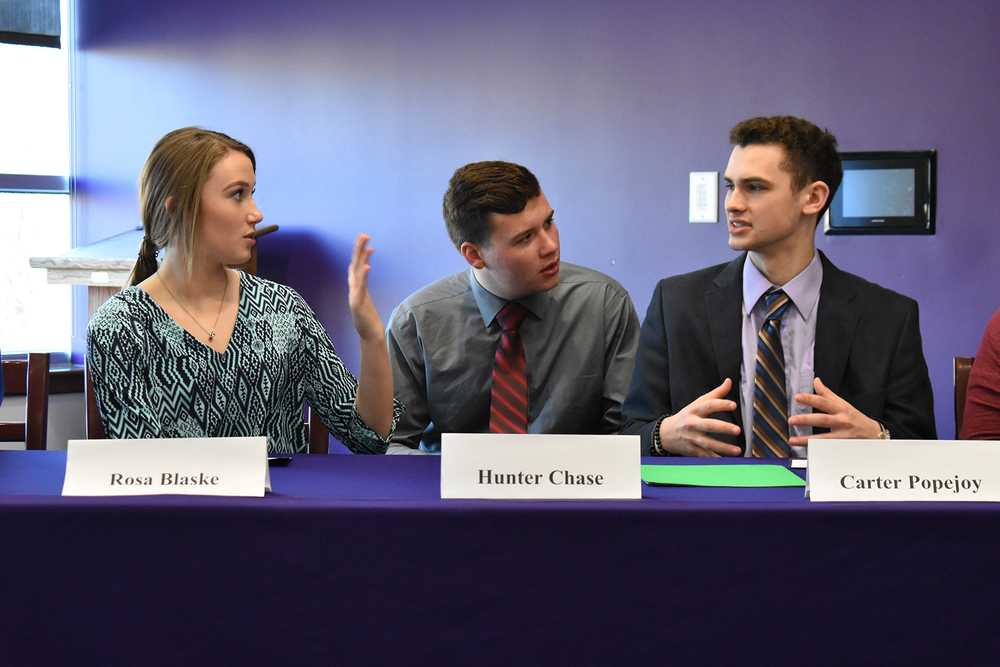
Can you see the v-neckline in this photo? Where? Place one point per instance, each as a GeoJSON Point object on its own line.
{"type": "Point", "coordinates": [239, 309]}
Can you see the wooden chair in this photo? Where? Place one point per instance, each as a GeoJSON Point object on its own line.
{"type": "Point", "coordinates": [30, 379]}
{"type": "Point", "coordinates": [962, 367]}
{"type": "Point", "coordinates": [317, 435]}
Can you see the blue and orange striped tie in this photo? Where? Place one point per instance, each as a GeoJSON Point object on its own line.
{"type": "Point", "coordinates": [770, 403]}
{"type": "Point", "coordinates": [509, 406]}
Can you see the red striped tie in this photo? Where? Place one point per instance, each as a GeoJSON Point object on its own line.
{"type": "Point", "coordinates": [509, 407]}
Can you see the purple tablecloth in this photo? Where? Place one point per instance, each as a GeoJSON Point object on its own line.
{"type": "Point", "coordinates": [356, 560]}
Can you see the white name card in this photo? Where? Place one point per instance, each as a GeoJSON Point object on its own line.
{"type": "Point", "coordinates": [485, 465]}
{"type": "Point", "coordinates": [925, 470]}
{"type": "Point", "coordinates": [185, 466]}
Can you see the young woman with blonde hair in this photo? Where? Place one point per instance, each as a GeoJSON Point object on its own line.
{"type": "Point", "coordinates": [193, 348]}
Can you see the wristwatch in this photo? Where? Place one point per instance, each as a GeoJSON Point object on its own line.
{"type": "Point", "coordinates": [884, 435]}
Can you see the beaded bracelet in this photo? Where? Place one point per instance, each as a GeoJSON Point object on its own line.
{"type": "Point", "coordinates": [657, 448]}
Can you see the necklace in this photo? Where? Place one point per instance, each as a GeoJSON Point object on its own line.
{"type": "Point", "coordinates": [211, 334]}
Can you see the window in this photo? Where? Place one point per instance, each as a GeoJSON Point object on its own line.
{"type": "Point", "coordinates": [34, 211]}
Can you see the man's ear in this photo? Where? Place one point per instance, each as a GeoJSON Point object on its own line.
{"type": "Point", "coordinates": [814, 197]}
{"type": "Point", "coordinates": [470, 252]}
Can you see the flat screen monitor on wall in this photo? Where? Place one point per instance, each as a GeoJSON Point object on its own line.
{"type": "Point", "coordinates": [884, 192]}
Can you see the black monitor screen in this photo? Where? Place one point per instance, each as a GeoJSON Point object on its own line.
{"type": "Point", "coordinates": [888, 192]}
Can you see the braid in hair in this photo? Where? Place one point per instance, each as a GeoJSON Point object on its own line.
{"type": "Point", "coordinates": [146, 264]}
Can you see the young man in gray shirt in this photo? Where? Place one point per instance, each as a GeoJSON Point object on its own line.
{"type": "Point", "coordinates": [579, 334]}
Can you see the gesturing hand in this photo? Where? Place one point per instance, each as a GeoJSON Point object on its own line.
{"type": "Point", "coordinates": [834, 413]}
{"type": "Point", "coordinates": [687, 432]}
{"type": "Point", "coordinates": [363, 314]}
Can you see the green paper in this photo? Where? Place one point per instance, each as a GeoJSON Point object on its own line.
{"type": "Point", "coordinates": [752, 475]}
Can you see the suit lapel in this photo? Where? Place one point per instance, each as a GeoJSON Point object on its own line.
{"type": "Point", "coordinates": [724, 306]}
{"type": "Point", "coordinates": [836, 323]}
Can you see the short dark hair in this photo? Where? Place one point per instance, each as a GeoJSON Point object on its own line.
{"type": "Point", "coordinates": [480, 189]}
{"type": "Point", "coordinates": [810, 153]}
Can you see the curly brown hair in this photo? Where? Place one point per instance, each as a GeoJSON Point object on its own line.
{"type": "Point", "coordinates": [810, 153]}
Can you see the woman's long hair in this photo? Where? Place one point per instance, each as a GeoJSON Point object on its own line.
{"type": "Point", "coordinates": [170, 191]}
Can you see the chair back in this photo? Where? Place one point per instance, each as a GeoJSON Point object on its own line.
{"type": "Point", "coordinates": [962, 367]}
{"type": "Point", "coordinates": [317, 435]}
{"type": "Point", "coordinates": [30, 379]}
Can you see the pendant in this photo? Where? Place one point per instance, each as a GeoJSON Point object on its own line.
{"type": "Point", "coordinates": [211, 336]}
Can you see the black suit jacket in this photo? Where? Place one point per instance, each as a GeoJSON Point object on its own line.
{"type": "Point", "coordinates": [868, 350]}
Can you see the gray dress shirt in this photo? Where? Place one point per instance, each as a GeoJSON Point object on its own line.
{"type": "Point", "coordinates": [579, 340]}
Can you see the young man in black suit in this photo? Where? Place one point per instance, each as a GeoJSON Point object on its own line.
{"type": "Point", "coordinates": [853, 359]}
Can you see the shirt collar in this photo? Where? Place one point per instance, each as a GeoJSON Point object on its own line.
{"type": "Point", "coordinates": [490, 304]}
{"type": "Point", "coordinates": [802, 290]}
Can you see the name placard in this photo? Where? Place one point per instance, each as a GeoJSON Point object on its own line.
{"type": "Point", "coordinates": [184, 466]}
{"type": "Point", "coordinates": [486, 465]}
{"type": "Point", "coordinates": [923, 470]}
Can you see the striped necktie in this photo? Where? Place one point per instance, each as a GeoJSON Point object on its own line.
{"type": "Point", "coordinates": [770, 404]}
{"type": "Point", "coordinates": [509, 406]}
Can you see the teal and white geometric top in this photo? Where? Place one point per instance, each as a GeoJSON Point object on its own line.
{"type": "Point", "coordinates": [155, 380]}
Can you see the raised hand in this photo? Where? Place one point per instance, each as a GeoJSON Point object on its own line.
{"type": "Point", "coordinates": [363, 313]}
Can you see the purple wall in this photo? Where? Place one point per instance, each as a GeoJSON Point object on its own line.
{"type": "Point", "coordinates": [359, 115]}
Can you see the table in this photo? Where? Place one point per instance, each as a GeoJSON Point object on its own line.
{"type": "Point", "coordinates": [356, 560]}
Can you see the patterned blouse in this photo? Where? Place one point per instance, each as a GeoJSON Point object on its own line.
{"type": "Point", "coordinates": [155, 380]}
